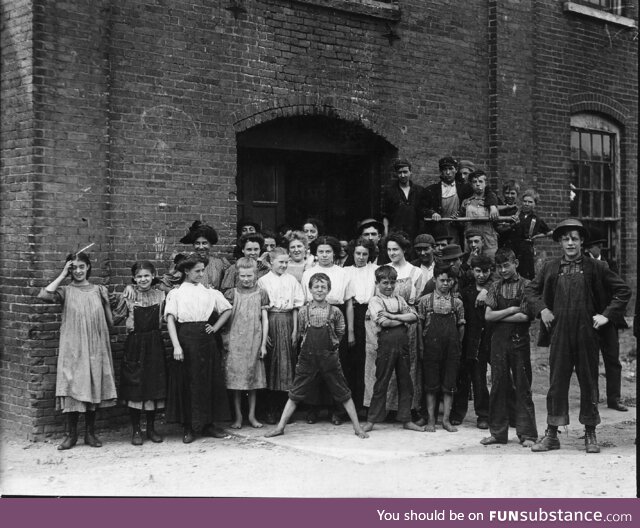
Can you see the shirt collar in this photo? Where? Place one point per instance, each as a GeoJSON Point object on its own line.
{"type": "Point", "coordinates": [440, 296]}
{"type": "Point", "coordinates": [448, 185]}
{"type": "Point", "coordinates": [576, 261]}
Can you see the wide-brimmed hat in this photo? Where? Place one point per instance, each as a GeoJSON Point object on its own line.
{"type": "Point", "coordinates": [197, 230]}
{"type": "Point", "coordinates": [570, 224]}
{"type": "Point", "coordinates": [424, 240]}
{"type": "Point", "coordinates": [368, 222]}
{"type": "Point", "coordinates": [451, 252]}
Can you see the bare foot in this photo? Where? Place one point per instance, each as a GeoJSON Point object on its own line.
{"type": "Point", "coordinates": [431, 427]}
{"type": "Point", "coordinates": [360, 433]}
{"type": "Point", "coordinates": [255, 423]}
{"type": "Point", "coordinates": [413, 427]}
{"type": "Point", "coordinates": [527, 443]}
{"type": "Point", "coordinates": [276, 432]}
{"type": "Point", "coordinates": [421, 422]}
{"type": "Point", "coordinates": [237, 424]}
{"type": "Point", "coordinates": [367, 427]}
{"type": "Point", "coordinates": [448, 427]}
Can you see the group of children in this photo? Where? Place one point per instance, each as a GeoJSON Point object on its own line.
{"type": "Point", "coordinates": [292, 323]}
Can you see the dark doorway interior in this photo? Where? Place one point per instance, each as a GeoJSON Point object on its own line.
{"type": "Point", "coordinates": [293, 168]}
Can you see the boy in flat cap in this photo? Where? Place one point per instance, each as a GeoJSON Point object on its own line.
{"type": "Point", "coordinates": [577, 299]}
{"type": "Point", "coordinates": [400, 202]}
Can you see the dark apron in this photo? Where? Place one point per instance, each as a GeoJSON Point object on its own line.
{"type": "Point", "coordinates": [143, 375]}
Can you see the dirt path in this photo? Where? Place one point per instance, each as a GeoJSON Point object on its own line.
{"type": "Point", "coordinates": [326, 461]}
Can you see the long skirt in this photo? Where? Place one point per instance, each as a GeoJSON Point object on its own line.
{"type": "Point", "coordinates": [196, 384]}
{"type": "Point", "coordinates": [280, 362]}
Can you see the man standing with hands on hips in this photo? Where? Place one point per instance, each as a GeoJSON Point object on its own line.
{"type": "Point", "coordinates": [576, 299]}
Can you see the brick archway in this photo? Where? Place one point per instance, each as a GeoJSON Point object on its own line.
{"type": "Point", "coordinates": [308, 105]}
{"type": "Point", "coordinates": [590, 102]}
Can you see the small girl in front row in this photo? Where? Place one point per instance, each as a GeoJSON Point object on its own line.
{"type": "Point", "coordinates": [285, 297]}
{"type": "Point", "coordinates": [143, 380]}
{"type": "Point", "coordinates": [247, 339]}
{"type": "Point", "coordinates": [84, 379]}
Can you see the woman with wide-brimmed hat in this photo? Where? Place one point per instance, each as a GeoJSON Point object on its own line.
{"type": "Point", "coordinates": [202, 237]}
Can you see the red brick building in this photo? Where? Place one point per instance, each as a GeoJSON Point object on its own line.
{"type": "Point", "coordinates": [122, 122]}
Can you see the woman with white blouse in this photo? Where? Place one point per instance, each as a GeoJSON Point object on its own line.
{"type": "Point", "coordinates": [188, 311]}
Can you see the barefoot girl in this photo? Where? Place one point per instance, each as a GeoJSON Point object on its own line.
{"type": "Point", "coordinates": [321, 327]}
{"type": "Point", "coordinates": [248, 330]}
{"type": "Point", "coordinates": [363, 283]}
{"type": "Point", "coordinates": [84, 379]}
{"type": "Point", "coordinates": [188, 311]}
{"type": "Point", "coordinates": [285, 297]}
{"type": "Point", "coordinates": [143, 379]}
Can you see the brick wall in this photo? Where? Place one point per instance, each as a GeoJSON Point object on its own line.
{"type": "Point", "coordinates": [126, 118]}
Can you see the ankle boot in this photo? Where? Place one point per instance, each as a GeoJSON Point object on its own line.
{"type": "Point", "coordinates": [188, 434]}
{"type": "Point", "coordinates": [90, 437]}
{"type": "Point", "coordinates": [151, 432]}
{"type": "Point", "coordinates": [136, 433]}
{"type": "Point", "coordinates": [71, 436]}
{"type": "Point", "coordinates": [590, 441]}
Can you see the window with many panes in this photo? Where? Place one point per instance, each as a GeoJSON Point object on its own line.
{"type": "Point", "coordinates": [610, 6]}
{"type": "Point", "coordinates": [595, 180]}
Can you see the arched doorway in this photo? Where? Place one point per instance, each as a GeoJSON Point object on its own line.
{"type": "Point", "coordinates": [295, 167]}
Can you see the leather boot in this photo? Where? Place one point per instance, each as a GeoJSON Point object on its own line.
{"type": "Point", "coordinates": [188, 434]}
{"type": "Point", "coordinates": [136, 433]}
{"type": "Point", "coordinates": [548, 443]}
{"type": "Point", "coordinates": [71, 436]}
{"type": "Point", "coordinates": [90, 437]}
{"type": "Point", "coordinates": [590, 441]}
{"type": "Point", "coordinates": [151, 432]}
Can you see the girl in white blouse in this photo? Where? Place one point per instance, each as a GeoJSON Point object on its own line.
{"type": "Point", "coordinates": [188, 311]}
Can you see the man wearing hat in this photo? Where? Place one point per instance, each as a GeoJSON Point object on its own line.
{"type": "Point", "coordinates": [609, 346]}
{"type": "Point", "coordinates": [424, 247]}
{"type": "Point", "coordinates": [370, 229]}
{"type": "Point", "coordinates": [400, 202]}
{"type": "Point", "coordinates": [465, 167]}
{"type": "Point", "coordinates": [578, 300]}
{"type": "Point", "coordinates": [443, 199]}
{"type": "Point", "coordinates": [443, 238]}
{"type": "Point", "coordinates": [450, 255]}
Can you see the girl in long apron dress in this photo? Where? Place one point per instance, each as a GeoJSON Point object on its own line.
{"type": "Point", "coordinates": [85, 378]}
{"type": "Point", "coordinates": [247, 340]}
{"type": "Point", "coordinates": [188, 311]}
{"type": "Point", "coordinates": [143, 380]}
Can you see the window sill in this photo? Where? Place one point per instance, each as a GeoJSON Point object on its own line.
{"type": "Point", "coordinates": [369, 8]}
{"type": "Point", "coordinates": [572, 7]}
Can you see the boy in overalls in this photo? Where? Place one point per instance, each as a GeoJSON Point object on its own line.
{"type": "Point", "coordinates": [442, 313]}
{"type": "Point", "coordinates": [510, 354]}
{"type": "Point", "coordinates": [321, 327]}
{"type": "Point", "coordinates": [576, 299]}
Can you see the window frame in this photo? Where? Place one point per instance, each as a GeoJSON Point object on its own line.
{"type": "Point", "coordinates": [584, 122]}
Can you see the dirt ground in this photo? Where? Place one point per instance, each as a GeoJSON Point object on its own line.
{"type": "Point", "coordinates": [323, 460]}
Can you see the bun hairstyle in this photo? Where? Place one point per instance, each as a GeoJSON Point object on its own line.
{"type": "Point", "coordinates": [326, 241]}
{"type": "Point", "coordinates": [400, 238]}
{"type": "Point", "coordinates": [199, 229]}
{"type": "Point", "coordinates": [189, 262]}
{"type": "Point", "coordinates": [82, 257]}
{"type": "Point", "coordinates": [369, 245]}
{"type": "Point", "coordinates": [301, 236]}
{"type": "Point", "coordinates": [144, 265]}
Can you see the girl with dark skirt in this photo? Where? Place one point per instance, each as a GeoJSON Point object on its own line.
{"type": "Point", "coordinates": [143, 380]}
{"type": "Point", "coordinates": [189, 310]}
